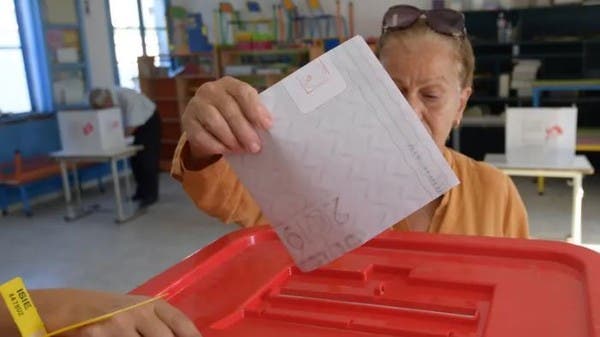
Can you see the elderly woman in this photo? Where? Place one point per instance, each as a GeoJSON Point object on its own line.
{"type": "Point", "coordinates": [430, 58]}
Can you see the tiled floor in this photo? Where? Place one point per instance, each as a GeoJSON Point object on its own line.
{"type": "Point", "coordinates": [94, 252]}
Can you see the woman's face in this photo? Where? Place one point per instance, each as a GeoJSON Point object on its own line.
{"type": "Point", "coordinates": [425, 70]}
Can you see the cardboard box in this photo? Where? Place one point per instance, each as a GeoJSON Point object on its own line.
{"type": "Point", "coordinates": [91, 131]}
{"type": "Point", "coordinates": [545, 136]}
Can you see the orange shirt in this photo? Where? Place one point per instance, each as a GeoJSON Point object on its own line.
{"type": "Point", "coordinates": [486, 202]}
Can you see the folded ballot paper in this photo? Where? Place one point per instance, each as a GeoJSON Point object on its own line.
{"type": "Point", "coordinates": [346, 157]}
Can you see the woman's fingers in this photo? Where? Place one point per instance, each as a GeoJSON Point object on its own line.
{"type": "Point", "coordinates": [158, 319]}
{"type": "Point", "coordinates": [249, 101]}
{"type": "Point", "coordinates": [122, 325]}
{"type": "Point", "coordinates": [203, 142]}
{"type": "Point", "coordinates": [179, 324]}
{"type": "Point", "coordinates": [223, 116]}
{"type": "Point", "coordinates": [150, 325]}
{"type": "Point", "coordinates": [243, 130]}
{"type": "Point", "coordinates": [213, 123]}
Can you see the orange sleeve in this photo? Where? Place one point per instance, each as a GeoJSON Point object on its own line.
{"type": "Point", "coordinates": [515, 217]}
{"type": "Point", "coordinates": [216, 189]}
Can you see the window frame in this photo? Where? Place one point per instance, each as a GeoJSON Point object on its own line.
{"type": "Point", "coordinates": [24, 55]}
{"type": "Point", "coordinates": [51, 68]}
{"type": "Point", "coordinates": [142, 30]}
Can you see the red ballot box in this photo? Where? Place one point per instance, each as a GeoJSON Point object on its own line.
{"type": "Point", "coordinates": [398, 284]}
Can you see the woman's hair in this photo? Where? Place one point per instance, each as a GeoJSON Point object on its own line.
{"type": "Point", "coordinates": [462, 47]}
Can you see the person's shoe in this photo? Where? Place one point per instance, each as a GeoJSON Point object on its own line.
{"type": "Point", "coordinates": [148, 202]}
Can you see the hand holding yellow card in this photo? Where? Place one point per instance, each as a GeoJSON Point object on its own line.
{"type": "Point", "coordinates": [27, 318]}
{"type": "Point", "coordinates": [21, 308]}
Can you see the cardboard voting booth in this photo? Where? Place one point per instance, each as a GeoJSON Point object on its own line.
{"type": "Point", "coordinates": [91, 131]}
{"type": "Point", "coordinates": [541, 135]}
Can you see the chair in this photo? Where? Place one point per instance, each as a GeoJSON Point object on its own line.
{"type": "Point", "coordinates": [295, 29]}
{"type": "Point", "coordinates": [22, 172]}
{"type": "Point", "coordinates": [226, 7]}
{"type": "Point", "coordinates": [318, 16]}
{"type": "Point", "coordinates": [227, 16]}
{"type": "Point", "coordinates": [3, 200]}
{"type": "Point", "coordinates": [315, 7]}
{"type": "Point", "coordinates": [314, 22]}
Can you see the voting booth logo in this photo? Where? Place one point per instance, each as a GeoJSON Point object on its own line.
{"type": "Point", "coordinates": [88, 128]}
{"type": "Point", "coordinates": [541, 135]}
{"type": "Point", "coordinates": [315, 84]}
{"type": "Point", "coordinates": [115, 124]}
{"type": "Point", "coordinates": [554, 132]}
{"type": "Point", "coordinates": [318, 76]}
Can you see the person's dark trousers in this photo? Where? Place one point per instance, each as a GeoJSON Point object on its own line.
{"type": "Point", "coordinates": [145, 164]}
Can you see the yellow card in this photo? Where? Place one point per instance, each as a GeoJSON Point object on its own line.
{"type": "Point", "coordinates": [21, 308]}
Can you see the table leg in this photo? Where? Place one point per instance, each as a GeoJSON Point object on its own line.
{"type": "Point", "coordinates": [540, 185]}
{"type": "Point", "coordinates": [3, 200]}
{"type": "Point", "coordinates": [76, 185]}
{"type": "Point", "coordinates": [67, 190]}
{"type": "Point", "coordinates": [118, 202]}
{"type": "Point", "coordinates": [577, 205]}
{"type": "Point", "coordinates": [127, 183]}
{"type": "Point", "coordinates": [535, 97]}
{"type": "Point", "coordinates": [74, 211]}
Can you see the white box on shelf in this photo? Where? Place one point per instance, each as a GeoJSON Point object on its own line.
{"type": "Point", "coordinates": [91, 131]}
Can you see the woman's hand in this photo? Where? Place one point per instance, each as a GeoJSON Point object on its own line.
{"type": "Point", "coordinates": [62, 307]}
{"type": "Point", "coordinates": [223, 117]}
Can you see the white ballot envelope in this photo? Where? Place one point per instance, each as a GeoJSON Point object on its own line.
{"type": "Point", "coordinates": [541, 136]}
{"type": "Point", "coordinates": [346, 157]}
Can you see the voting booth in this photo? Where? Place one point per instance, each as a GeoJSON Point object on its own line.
{"type": "Point", "coordinates": [91, 131]}
{"type": "Point", "coordinates": [537, 136]}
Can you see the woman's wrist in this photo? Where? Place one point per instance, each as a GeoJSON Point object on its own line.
{"type": "Point", "coordinates": [7, 325]}
{"type": "Point", "coordinates": [53, 305]}
{"type": "Point", "coordinates": [62, 307]}
{"type": "Point", "coordinates": [56, 307]}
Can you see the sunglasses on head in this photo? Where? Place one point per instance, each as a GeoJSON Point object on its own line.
{"type": "Point", "coordinates": [444, 21]}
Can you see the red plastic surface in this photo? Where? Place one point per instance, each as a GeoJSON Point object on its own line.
{"type": "Point", "coordinates": [399, 284]}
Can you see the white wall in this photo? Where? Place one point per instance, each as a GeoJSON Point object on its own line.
{"type": "Point", "coordinates": [98, 42]}
{"type": "Point", "coordinates": [367, 13]}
